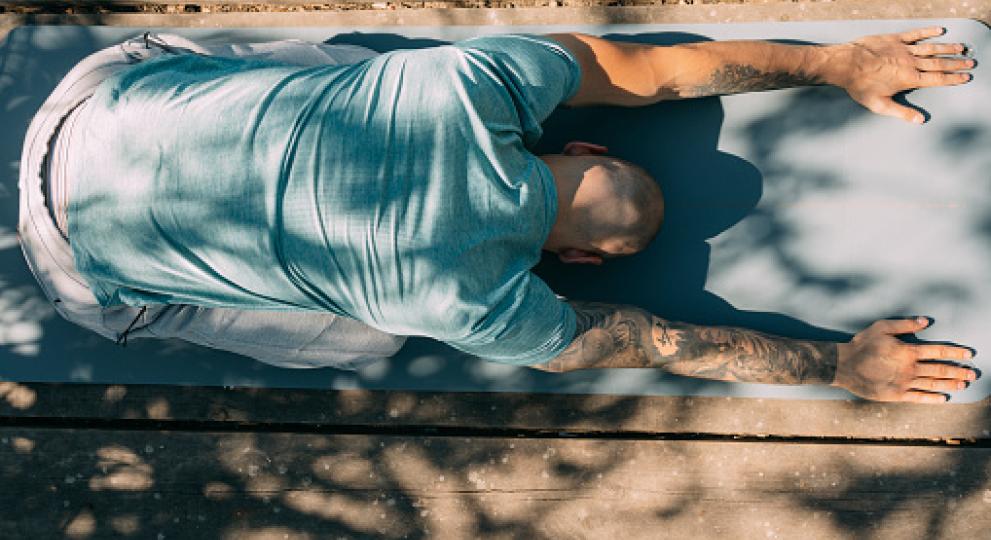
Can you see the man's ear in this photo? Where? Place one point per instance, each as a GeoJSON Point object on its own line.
{"type": "Point", "coordinates": [579, 148]}
{"type": "Point", "coordinates": [579, 256]}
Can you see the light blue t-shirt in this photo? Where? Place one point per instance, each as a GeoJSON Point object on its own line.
{"type": "Point", "coordinates": [398, 191]}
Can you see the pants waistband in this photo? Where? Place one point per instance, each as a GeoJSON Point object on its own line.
{"type": "Point", "coordinates": [56, 183]}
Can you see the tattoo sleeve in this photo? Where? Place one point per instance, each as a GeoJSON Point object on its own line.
{"type": "Point", "coordinates": [736, 78]}
{"type": "Point", "coordinates": [611, 336]}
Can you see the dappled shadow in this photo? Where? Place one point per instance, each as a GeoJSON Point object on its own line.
{"type": "Point", "coordinates": [708, 191]}
{"type": "Point", "coordinates": [401, 465]}
{"type": "Point", "coordinates": [730, 211]}
{"type": "Point", "coordinates": [236, 483]}
{"type": "Point", "coordinates": [932, 494]}
{"type": "Point", "coordinates": [26, 318]}
{"type": "Point", "coordinates": [737, 234]}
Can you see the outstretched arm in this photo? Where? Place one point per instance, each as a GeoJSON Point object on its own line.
{"type": "Point", "coordinates": [872, 69]}
{"type": "Point", "coordinates": [874, 365]}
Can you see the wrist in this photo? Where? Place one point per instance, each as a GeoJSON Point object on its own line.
{"type": "Point", "coordinates": [842, 354]}
{"type": "Point", "coordinates": [831, 64]}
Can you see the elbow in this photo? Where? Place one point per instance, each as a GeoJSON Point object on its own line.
{"type": "Point", "coordinates": [553, 366]}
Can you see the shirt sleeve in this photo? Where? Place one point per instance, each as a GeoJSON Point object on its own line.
{"type": "Point", "coordinates": [529, 325]}
{"type": "Point", "coordinates": [538, 72]}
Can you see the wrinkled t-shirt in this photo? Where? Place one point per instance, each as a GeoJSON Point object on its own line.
{"type": "Point", "coordinates": [398, 191]}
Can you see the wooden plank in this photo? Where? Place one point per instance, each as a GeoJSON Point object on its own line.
{"type": "Point", "coordinates": [593, 12]}
{"type": "Point", "coordinates": [95, 483]}
{"type": "Point", "coordinates": [38, 403]}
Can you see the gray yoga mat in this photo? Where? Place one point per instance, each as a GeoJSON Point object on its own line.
{"type": "Point", "coordinates": [794, 212]}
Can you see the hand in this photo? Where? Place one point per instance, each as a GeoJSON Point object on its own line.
{"type": "Point", "coordinates": [877, 365]}
{"type": "Point", "coordinates": [876, 68]}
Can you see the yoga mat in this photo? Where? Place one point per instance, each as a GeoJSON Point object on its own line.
{"type": "Point", "coordinates": [794, 212]}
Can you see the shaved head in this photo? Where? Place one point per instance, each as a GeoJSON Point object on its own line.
{"type": "Point", "coordinates": [625, 207]}
{"type": "Point", "coordinates": [606, 206]}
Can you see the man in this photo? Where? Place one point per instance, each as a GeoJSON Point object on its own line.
{"type": "Point", "coordinates": [399, 191]}
{"type": "Point", "coordinates": [285, 339]}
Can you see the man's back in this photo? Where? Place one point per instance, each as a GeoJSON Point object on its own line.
{"type": "Point", "coordinates": [397, 191]}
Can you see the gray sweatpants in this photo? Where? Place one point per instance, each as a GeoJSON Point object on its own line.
{"type": "Point", "coordinates": [286, 339]}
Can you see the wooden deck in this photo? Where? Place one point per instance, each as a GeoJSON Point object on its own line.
{"type": "Point", "coordinates": [157, 461]}
{"type": "Point", "coordinates": [94, 461]}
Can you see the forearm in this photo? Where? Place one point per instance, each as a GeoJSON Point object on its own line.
{"type": "Point", "coordinates": [632, 74]}
{"type": "Point", "coordinates": [731, 67]}
{"type": "Point", "coordinates": [610, 336]}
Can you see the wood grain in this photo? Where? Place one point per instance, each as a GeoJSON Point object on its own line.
{"type": "Point", "coordinates": [330, 410]}
{"type": "Point", "coordinates": [98, 483]}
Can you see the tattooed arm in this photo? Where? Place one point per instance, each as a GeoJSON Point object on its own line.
{"type": "Point", "coordinates": [872, 69]}
{"type": "Point", "coordinates": [875, 364]}
{"type": "Point", "coordinates": [611, 336]}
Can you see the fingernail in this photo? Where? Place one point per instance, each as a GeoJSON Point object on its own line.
{"type": "Point", "coordinates": [924, 321]}
{"type": "Point", "coordinates": [966, 50]}
{"type": "Point", "coordinates": [972, 376]}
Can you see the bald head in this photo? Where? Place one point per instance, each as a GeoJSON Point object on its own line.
{"type": "Point", "coordinates": [606, 206]}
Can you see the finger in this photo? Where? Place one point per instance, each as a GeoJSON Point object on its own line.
{"type": "Point", "coordinates": [932, 49]}
{"type": "Point", "coordinates": [942, 64]}
{"type": "Point", "coordinates": [938, 385]}
{"type": "Point", "coordinates": [929, 78]}
{"type": "Point", "coordinates": [887, 107]}
{"type": "Point", "coordinates": [921, 396]}
{"type": "Point", "coordinates": [900, 326]}
{"type": "Point", "coordinates": [942, 352]}
{"type": "Point", "coordinates": [921, 33]}
{"type": "Point", "coordinates": [944, 371]}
